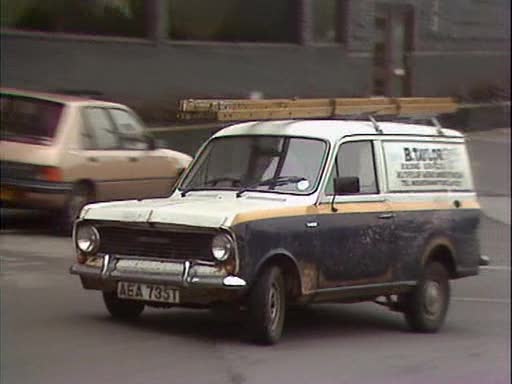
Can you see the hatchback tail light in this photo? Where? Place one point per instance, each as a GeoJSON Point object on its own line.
{"type": "Point", "coordinates": [50, 174]}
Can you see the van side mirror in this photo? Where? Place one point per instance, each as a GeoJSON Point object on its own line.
{"type": "Point", "coordinates": [346, 185]}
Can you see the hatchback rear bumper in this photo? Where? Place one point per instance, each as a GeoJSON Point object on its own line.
{"type": "Point", "coordinates": [37, 194]}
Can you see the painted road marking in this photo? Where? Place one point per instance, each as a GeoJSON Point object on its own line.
{"type": "Point", "coordinates": [496, 267]}
{"type": "Point", "coordinates": [482, 300]}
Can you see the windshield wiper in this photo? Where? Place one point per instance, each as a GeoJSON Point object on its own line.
{"type": "Point", "coordinates": [192, 189]}
{"type": "Point", "coordinates": [212, 183]}
{"type": "Point", "coordinates": [276, 182]}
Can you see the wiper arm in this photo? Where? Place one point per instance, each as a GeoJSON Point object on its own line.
{"type": "Point", "coordinates": [191, 189]}
{"type": "Point", "coordinates": [242, 190]}
{"type": "Point", "coordinates": [276, 182]}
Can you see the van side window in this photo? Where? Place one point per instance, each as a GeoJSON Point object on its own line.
{"type": "Point", "coordinates": [413, 166]}
{"type": "Point", "coordinates": [100, 126]}
{"type": "Point", "coordinates": [355, 159]}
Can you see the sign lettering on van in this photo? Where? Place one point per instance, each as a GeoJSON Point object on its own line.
{"type": "Point", "coordinates": [426, 166]}
{"type": "Point", "coordinates": [423, 154]}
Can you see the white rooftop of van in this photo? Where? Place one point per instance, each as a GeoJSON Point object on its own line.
{"type": "Point", "coordinates": [333, 130]}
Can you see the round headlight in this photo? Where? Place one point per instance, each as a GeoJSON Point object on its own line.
{"type": "Point", "coordinates": [87, 239]}
{"type": "Point", "coordinates": [221, 247]}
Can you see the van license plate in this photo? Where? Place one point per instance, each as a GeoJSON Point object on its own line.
{"type": "Point", "coordinates": [148, 292]}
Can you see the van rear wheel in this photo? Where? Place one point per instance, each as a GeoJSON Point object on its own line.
{"type": "Point", "coordinates": [426, 306]}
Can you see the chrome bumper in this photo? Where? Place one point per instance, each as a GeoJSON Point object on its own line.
{"type": "Point", "coordinates": [34, 194]}
{"type": "Point", "coordinates": [38, 186]}
{"type": "Point", "coordinates": [178, 274]}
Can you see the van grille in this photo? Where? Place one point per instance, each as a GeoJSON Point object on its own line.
{"type": "Point", "coordinates": [153, 243]}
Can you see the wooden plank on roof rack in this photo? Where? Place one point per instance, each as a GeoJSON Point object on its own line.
{"type": "Point", "coordinates": [271, 109]}
{"type": "Point", "coordinates": [214, 105]}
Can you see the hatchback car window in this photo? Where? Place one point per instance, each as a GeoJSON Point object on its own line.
{"type": "Point", "coordinates": [355, 159]}
{"type": "Point", "coordinates": [129, 129]}
{"type": "Point", "coordinates": [29, 120]}
{"type": "Point", "coordinates": [101, 127]}
{"type": "Point", "coordinates": [263, 163]}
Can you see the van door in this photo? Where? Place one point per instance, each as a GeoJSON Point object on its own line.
{"type": "Point", "coordinates": [355, 241]}
{"type": "Point", "coordinates": [431, 191]}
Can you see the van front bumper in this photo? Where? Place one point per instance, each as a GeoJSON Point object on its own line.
{"type": "Point", "coordinates": [199, 283]}
{"type": "Point", "coordinates": [38, 194]}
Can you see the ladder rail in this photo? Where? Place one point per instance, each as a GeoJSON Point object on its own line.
{"type": "Point", "coordinates": [277, 109]}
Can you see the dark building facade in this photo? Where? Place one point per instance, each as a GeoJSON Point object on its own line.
{"type": "Point", "coordinates": [151, 53]}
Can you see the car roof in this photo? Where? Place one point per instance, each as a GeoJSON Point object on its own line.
{"type": "Point", "coordinates": [333, 130]}
{"type": "Point", "coordinates": [55, 97]}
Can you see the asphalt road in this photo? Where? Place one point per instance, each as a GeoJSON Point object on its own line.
{"type": "Point", "coordinates": [52, 331]}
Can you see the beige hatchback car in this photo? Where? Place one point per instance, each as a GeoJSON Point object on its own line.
{"type": "Point", "coordinates": [60, 152]}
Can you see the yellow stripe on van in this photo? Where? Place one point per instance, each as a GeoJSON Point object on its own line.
{"type": "Point", "coordinates": [275, 213]}
{"type": "Point", "coordinates": [432, 205]}
{"type": "Point", "coordinates": [356, 207]}
{"type": "Point", "coordinates": [360, 207]}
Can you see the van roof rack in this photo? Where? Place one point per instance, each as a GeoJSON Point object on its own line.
{"type": "Point", "coordinates": [278, 109]}
{"type": "Point", "coordinates": [375, 124]}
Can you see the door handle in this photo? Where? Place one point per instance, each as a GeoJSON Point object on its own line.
{"type": "Point", "coordinates": [133, 159]}
{"type": "Point", "coordinates": [386, 216]}
{"type": "Point", "coordinates": [93, 159]}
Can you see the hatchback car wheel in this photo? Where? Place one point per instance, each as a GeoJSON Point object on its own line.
{"type": "Point", "coordinates": [80, 195]}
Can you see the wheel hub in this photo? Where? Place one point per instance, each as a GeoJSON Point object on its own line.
{"type": "Point", "coordinates": [274, 304]}
{"type": "Point", "coordinates": [433, 298]}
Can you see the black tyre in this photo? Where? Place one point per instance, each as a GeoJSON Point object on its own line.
{"type": "Point", "coordinates": [267, 307]}
{"type": "Point", "coordinates": [122, 309]}
{"type": "Point", "coordinates": [225, 311]}
{"type": "Point", "coordinates": [80, 195]}
{"type": "Point", "coordinates": [426, 306]}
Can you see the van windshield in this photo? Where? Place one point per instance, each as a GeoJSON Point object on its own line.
{"type": "Point", "coordinates": [29, 120]}
{"type": "Point", "coordinates": [261, 163]}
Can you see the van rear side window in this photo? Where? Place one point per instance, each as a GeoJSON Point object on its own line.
{"type": "Point", "coordinates": [426, 166]}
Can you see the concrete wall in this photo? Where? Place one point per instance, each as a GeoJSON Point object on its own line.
{"type": "Point", "coordinates": [145, 72]}
{"type": "Point", "coordinates": [467, 47]}
{"type": "Point", "coordinates": [462, 48]}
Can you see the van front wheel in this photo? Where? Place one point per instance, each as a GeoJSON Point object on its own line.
{"type": "Point", "coordinates": [267, 306]}
{"type": "Point", "coordinates": [122, 309]}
